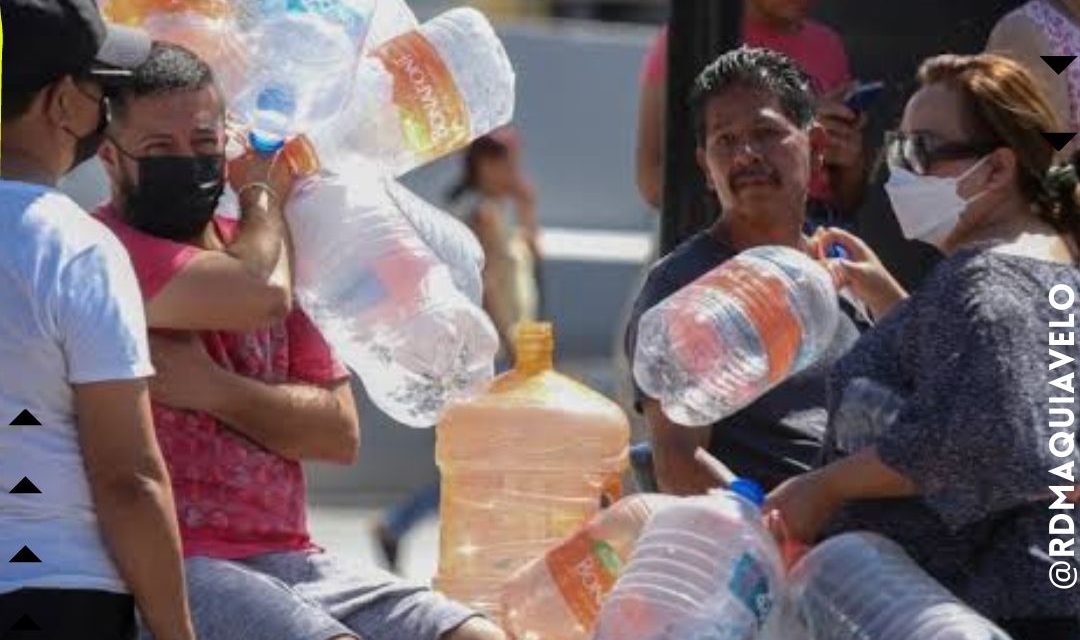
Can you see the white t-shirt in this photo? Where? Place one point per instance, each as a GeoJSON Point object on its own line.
{"type": "Point", "coordinates": [70, 313]}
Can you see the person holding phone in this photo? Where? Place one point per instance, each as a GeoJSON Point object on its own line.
{"type": "Point", "coordinates": [839, 179]}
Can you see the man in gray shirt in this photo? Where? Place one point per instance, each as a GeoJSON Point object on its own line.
{"type": "Point", "coordinates": [758, 147]}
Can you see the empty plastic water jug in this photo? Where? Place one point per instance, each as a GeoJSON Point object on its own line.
{"type": "Point", "coordinates": [705, 567]}
{"type": "Point", "coordinates": [862, 586]}
{"type": "Point", "coordinates": [383, 300]}
{"type": "Point", "coordinates": [523, 465]}
{"type": "Point", "coordinates": [452, 242]}
{"type": "Point", "coordinates": [422, 95]}
{"type": "Point", "coordinates": [722, 341]}
{"type": "Point", "coordinates": [559, 595]}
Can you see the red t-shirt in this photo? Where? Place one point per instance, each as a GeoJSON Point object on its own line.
{"type": "Point", "coordinates": [234, 498]}
{"type": "Point", "coordinates": [817, 49]}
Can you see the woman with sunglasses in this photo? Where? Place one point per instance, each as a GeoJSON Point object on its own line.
{"type": "Point", "coordinates": [939, 434]}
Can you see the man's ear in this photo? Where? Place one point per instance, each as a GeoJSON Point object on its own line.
{"type": "Point", "coordinates": [703, 164]}
{"type": "Point", "coordinates": [58, 101]}
{"type": "Point", "coordinates": [110, 158]}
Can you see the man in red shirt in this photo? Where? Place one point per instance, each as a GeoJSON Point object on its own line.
{"type": "Point", "coordinates": [246, 387]}
{"type": "Point", "coordinates": [783, 26]}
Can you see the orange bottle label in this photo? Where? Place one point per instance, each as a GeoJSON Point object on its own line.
{"type": "Point", "coordinates": [434, 119]}
{"type": "Point", "coordinates": [585, 570]}
{"type": "Point", "coordinates": [301, 157]}
{"type": "Point", "coordinates": [764, 300]}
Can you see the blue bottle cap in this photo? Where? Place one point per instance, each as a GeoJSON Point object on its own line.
{"type": "Point", "coordinates": [837, 250]}
{"type": "Point", "coordinates": [749, 489]}
{"type": "Point", "coordinates": [265, 144]}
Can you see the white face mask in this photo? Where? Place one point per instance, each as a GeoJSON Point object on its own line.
{"type": "Point", "coordinates": [928, 208]}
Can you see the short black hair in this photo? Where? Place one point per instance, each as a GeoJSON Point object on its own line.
{"type": "Point", "coordinates": [16, 102]}
{"type": "Point", "coordinates": [756, 68]}
{"type": "Point", "coordinates": [17, 99]}
{"type": "Point", "coordinates": [169, 68]}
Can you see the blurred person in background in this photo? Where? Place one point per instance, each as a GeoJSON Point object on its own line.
{"type": "Point", "coordinates": [1045, 28]}
{"type": "Point", "coordinates": [757, 146]}
{"type": "Point", "coordinates": [838, 181]}
{"type": "Point", "coordinates": [494, 197]}
{"type": "Point", "coordinates": [938, 434]}
{"type": "Point", "coordinates": [87, 517]}
{"type": "Point", "coordinates": [247, 387]}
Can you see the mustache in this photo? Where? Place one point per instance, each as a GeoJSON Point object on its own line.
{"type": "Point", "coordinates": [756, 173]}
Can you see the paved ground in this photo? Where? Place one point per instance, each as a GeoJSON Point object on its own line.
{"type": "Point", "coordinates": [346, 530]}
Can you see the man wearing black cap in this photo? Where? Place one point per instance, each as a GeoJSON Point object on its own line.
{"type": "Point", "coordinates": [86, 511]}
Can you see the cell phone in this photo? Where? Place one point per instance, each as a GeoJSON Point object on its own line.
{"type": "Point", "coordinates": [864, 95]}
{"type": "Point", "coordinates": [641, 461]}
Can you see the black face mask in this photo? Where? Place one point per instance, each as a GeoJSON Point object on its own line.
{"type": "Point", "coordinates": [87, 145]}
{"type": "Point", "coordinates": [176, 195]}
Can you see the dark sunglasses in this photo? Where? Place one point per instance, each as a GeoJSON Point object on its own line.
{"type": "Point", "coordinates": [917, 152]}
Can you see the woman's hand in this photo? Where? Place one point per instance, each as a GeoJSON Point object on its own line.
{"type": "Point", "coordinates": [804, 505]}
{"type": "Point", "coordinates": [862, 271]}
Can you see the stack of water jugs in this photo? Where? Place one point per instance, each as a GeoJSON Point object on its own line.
{"type": "Point", "coordinates": [707, 568]}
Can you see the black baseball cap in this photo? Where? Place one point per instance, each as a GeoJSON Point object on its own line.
{"type": "Point", "coordinates": [45, 40]}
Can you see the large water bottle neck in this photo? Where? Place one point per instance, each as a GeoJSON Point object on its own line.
{"type": "Point", "coordinates": [535, 342]}
{"type": "Point", "coordinates": [750, 490]}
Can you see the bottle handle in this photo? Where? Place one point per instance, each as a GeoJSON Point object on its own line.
{"type": "Point", "coordinates": [301, 156]}
{"type": "Point", "coordinates": [612, 489]}
{"type": "Point", "coordinates": [791, 550]}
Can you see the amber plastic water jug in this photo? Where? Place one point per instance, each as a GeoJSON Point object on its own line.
{"type": "Point", "coordinates": [523, 466]}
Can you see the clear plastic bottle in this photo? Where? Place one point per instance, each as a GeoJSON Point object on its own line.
{"type": "Point", "coordinates": [558, 596]}
{"type": "Point", "coordinates": [303, 57]}
{"type": "Point", "coordinates": [422, 95]}
{"type": "Point", "coordinates": [390, 19]}
{"type": "Point", "coordinates": [724, 340]}
{"type": "Point", "coordinates": [383, 300]}
{"type": "Point", "coordinates": [862, 586]}
{"type": "Point", "coordinates": [705, 567]}
{"type": "Point", "coordinates": [451, 241]}
{"type": "Point", "coordinates": [523, 466]}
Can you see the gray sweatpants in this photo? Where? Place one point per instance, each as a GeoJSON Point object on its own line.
{"type": "Point", "coordinates": [311, 596]}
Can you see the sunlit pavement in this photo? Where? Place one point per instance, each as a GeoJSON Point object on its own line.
{"type": "Point", "coordinates": [347, 531]}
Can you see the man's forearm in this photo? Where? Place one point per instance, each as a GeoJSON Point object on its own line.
{"type": "Point", "coordinates": [260, 242]}
{"type": "Point", "coordinates": [296, 421]}
{"type": "Point", "coordinates": [139, 526]}
{"type": "Point", "coordinates": [674, 446]}
{"type": "Point", "coordinates": [863, 476]}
